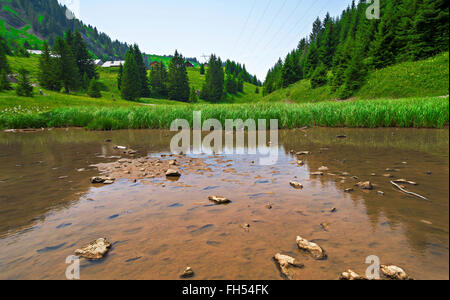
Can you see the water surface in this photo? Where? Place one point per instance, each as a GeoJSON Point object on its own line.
{"type": "Point", "coordinates": [48, 208]}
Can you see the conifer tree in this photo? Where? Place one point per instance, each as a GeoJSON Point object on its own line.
{"type": "Point", "coordinates": [202, 69]}
{"type": "Point", "coordinates": [319, 76]}
{"type": "Point", "coordinates": [4, 81]}
{"type": "Point", "coordinates": [24, 87]}
{"type": "Point", "coordinates": [158, 80]}
{"type": "Point", "coordinates": [193, 96]}
{"type": "Point", "coordinates": [178, 82]}
{"type": "Point", "coordinates": [94, 89]}
{"type": "Point", "coordinates": [213, 88]}
{"type": "Point", "coordinates": [130, 88]}
{"type": "Point", "coordinates": [48, 70]}
{"type": "Point", "coordinates": [66, 67]}
{"type": "Point", "coordinates": [119, 77]}
{"type": "Point", "coordinates": [142, 68]}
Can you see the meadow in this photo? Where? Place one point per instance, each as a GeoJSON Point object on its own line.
{"type": "Point", "coordinates": [398, 96]}
{"type": "Point", "coordinates": [415, 112]}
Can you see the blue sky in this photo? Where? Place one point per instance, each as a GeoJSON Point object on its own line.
{"type": "Point", "coordinates": [254, 32]}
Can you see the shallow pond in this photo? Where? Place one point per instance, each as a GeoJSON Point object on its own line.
{"type": "Point", "coordinates": [48, 208]}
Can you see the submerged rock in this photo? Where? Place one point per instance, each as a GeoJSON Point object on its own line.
{"type": "Point", "coordinates": [187, 273]}
{"type": "Point", "coordinates": [312, 248]}
{"type": "Point", "coordinates": [95, 250]}
{"type": "Point", "coordinates": [300, 163]}
{"type": "Point", "coordinates": [351, 275]}
{"type": "Point", "coordinates": [219, 200]}
{"type": "Point", "coordinates": [323, 168]}
{"type": "Point", "coordinates": [296, 185]}
{"type": "Point", "coordinates": [394, 273]}
{"type": "Point", "coordinates": [349, 190]}
{"type": "Point", "coordinates": [317, 174]}
{"type": "Point", "coordinates": [303, 153]}
{"type": "Point", "coordinates": [365, 185]}
{"type": "Point", "coordinates": [100, 179]}
{"type": "Point", "coordinates": [286, 263]}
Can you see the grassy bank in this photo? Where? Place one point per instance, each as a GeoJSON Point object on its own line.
{"type": "Point", "coordinates": [417, 112]}
{"type": "Point", "coordinates": [424, 78]}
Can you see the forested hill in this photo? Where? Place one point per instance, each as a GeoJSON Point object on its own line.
{"type": "Point", "coordinates": [341, 51]}
{"type": "Point", "coordinates": [25, 23]}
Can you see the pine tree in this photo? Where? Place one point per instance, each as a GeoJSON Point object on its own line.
{"type": "Point", "coordinates": [119, 77]}
{"type": "Point", "coordinates": [82, 56]}
{"type": "Point", "coordinates": [193, 96]}
{"type": "Point", "coordinates": [215, 79]}
{"type": "Point", "coordinates": [130, 88]}
{"type": "Point", "coordinates": [319, 77]}
{"type": "Point", "coordinates": [158, 80]}
{"type": "Point", "coordinates": [66, 67]}
{"type": "Point", "coordinates": [202, 69]}
{"type": "Point", "coordinates": [178, 82]}
{"type": "Point", "coordinates": [24, 87]}
{"type": "Point", "coordinates": [142, 68]}
{"type": "Point", "coordinates": [4, 81]}
{"type": "Point", "coordinates": [94, 89]}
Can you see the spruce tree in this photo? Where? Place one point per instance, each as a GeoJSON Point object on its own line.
{"type": "Point", "coordinates": [119, 77]}
{"type": "Point", "coordinates": [193, 96]}
{"type": "Point", "coordinates": [178, 82]}
{"type": "Point", "coordinates": [94, 89]}
{"type": "Point", "coordinates": [4, 81]}
{"type": "Point", "coordinates": [24, 87]}
{"type": "Point", "coordinates": [66, 67]}
{"type": "Point", "coordinates": [158, 80]}
{"type": "Point", "coordinates": [202, 69]}
{"type": "Point", "coordinates": [130, 88]}
{"type": "Point", "coordinates": [142, 69]}
{"type": "Point", "coordinates": [319, 77]}
{"type": "Point", "coordinates": [213, 88]}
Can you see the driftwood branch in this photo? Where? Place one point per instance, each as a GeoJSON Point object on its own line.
{"type": "Point", "coordinates": [395, 183]}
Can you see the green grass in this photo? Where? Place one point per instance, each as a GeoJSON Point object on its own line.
{"type": "Point", "coordinates": [418, 112]}
{"type": "Point", "coordinates": [424, 78]}
{"type": "Point", "coordinates": [19, 35]}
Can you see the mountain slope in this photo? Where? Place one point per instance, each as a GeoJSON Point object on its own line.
{"type": "Point", "coordinates": [425, 78]}
{"type": "Point", "coordinates": [26, 23]}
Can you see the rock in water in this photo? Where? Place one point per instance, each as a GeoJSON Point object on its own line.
{"type": "Point", "coordinates": [317, 174]}
{"type": "Point", "coordinates": [365, 185]}
{"type": "Point", "coordinates": [296, 185]}
{"type": "Point", "coordinates": [219, 200]}
{"type": "Point", "coordinates": [104, 180]}
{"type": "Point", "coordinates": [285, 263]}
{"type": "Point", "coordinates": [315, 250]}
{"type": "Point", "coordinates": [95, 250]}
{"type": "Point", "coordinates": [394, 273]}
{"type": "Point", "coordinates": [187, 273]}
{"type": "Point", "coordinates": [173, 173]}
{"type": "Point", "coordinates": [350, 275]}
{"type": "Point", "coordinates": [323, 168]}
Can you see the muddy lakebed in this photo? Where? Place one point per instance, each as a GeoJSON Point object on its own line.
{"type": "Point", "coordinates": [159, 226]}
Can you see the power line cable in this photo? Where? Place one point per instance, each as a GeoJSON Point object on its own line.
{"type": "Point", "coordinates": [246, 23]}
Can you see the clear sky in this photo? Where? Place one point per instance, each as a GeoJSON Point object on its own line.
{"type": "Point", "coordinates": [253, 32]}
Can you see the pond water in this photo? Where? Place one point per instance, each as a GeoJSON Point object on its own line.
{"type": "Point", "coordinates": [48, 207]}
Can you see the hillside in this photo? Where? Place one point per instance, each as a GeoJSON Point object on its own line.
{"type": "Point", "coordinates": [27, 24]}
{"type": "Point", "coordinates": [429, 77]}
{"type": "Point", "coordinates": [108, 81]}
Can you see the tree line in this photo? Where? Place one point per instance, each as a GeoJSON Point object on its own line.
{"type": "Point", "coordinates": [172, 82]}
{"type": "Point", "coordinates": [68, 66]}
{"type": "Point", "coordinates": [341, 51]}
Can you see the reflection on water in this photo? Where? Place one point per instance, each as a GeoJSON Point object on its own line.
{"type": "Point", "coordinates": [48, 207]}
